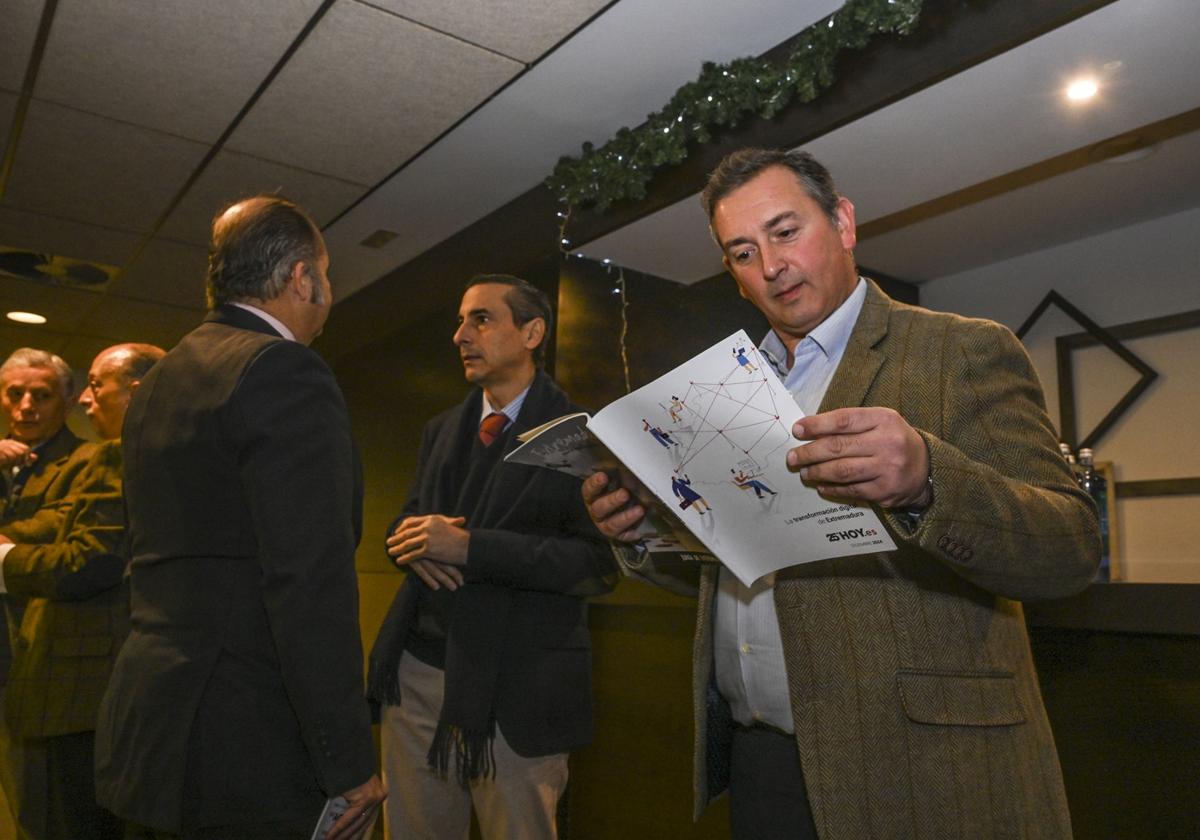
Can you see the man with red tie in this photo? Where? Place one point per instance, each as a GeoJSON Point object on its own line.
{"type": "Point", "coordinates": [483, 663]}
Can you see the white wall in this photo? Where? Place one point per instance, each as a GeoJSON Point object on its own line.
{"type": "Point", "coordinates": [1142, 271]}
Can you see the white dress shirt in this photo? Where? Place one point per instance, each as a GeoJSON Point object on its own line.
{"type": "Point", "coordinates": [747, 647]}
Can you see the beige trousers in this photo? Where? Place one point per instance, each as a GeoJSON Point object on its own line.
{"type": "Point", "coordinates": [518, 804]}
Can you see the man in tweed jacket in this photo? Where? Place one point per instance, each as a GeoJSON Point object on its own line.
{"type": "Point", "coordinates": [61, 564]}
{"type": "Point", "coordinates": [883, 695]}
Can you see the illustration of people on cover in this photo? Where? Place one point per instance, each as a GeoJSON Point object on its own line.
{"type": "Point", "coordinates": [682, 488]}
{"type": "Point", "coordinates": [739, 353]}
{"type": "Point", "coordinates": [675, 409]}
{"type": "Point", "coordinates": [658, 434]}
{"type": "Point", "coordinates": [750, 482]}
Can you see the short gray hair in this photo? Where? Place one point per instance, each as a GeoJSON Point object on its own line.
{"type": "Point", "coordinates": [29, 357]}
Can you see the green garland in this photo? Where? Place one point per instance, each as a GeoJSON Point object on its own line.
{"type": "Point", "coordinates": [721, 97]}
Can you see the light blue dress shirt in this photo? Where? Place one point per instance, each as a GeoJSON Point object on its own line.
{"type": "Point", "coordinates": [747, 647]}
{"type": "Point", "coordinates": [510, 411]}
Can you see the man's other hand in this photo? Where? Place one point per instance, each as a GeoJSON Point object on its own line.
{"type": "Point", "coordinates": [363, 803]}
{"type": "Point", "coordinates": [612, 507]}
{"type": "Point", "coordinates": [13, 453]}
{"type": "Point", "coordinates": [865, 454]}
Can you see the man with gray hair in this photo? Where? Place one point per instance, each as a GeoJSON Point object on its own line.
{"type": "Point", "coordinates": [236, 708]}
{"type": "Point", "coordinates": [62, 568]}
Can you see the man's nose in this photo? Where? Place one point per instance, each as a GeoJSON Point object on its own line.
{"type": "Point", "coordinates": [772, 263]}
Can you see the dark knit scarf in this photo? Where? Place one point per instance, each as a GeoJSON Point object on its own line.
{"type": "Point", "coordinates": [462, 481]}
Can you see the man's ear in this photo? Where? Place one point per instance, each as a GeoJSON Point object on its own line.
{"type": "Point", "coordinates": [535, 330]}
{"type": "Point", "coordinates": [300, 280]}
{"type": "Point", "coordinates": [844, 215]}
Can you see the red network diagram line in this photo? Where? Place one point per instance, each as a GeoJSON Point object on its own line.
{"type": "Point", "coordinates": [726, 390]}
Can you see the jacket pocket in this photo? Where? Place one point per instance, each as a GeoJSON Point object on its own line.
{"type": "Point", "coordinates": [960, 699]}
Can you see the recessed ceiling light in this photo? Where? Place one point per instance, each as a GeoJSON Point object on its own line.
{"type": "Point", "coordinates": [1082, 90]}
{"type": "Point", "coordinates": [27, 317]}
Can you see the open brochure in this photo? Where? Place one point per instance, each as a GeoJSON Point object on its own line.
{"type": "Point", "coordinates": [709, 440]}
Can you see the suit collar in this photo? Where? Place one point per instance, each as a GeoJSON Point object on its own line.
{"type": "Point", "coordinates": [861, 361]}
{"type": "Point", "coordinates": [60, 445]}
{"type": "Point", "coordinates": [242, 319]}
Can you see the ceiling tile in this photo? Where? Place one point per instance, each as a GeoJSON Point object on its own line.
{"type": "Point", "coordinates": [521, 29]}
{"type": "Point", "coordinates": [365, 92]}
{"type": "Point", "coordinates": [231, 176]}
{"type": "Point", "coordinates": [34, 232]}
{"type": "Point", "coordinates": [182, 67]}
{"type": "Point", "coordinates": [16, 40]}
{"type": "Point", "coordinates": [90, 169]}
{"type": "Point", "coordinates": [165, 272]}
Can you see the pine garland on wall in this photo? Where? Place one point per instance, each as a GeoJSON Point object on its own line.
{"type": "Point", "coordinates": [722, 96]}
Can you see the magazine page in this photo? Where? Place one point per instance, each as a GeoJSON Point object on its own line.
{"type": "Point", "coordinates": [566, 445]}
{"type": "Point", "coordinates": [710, 439]}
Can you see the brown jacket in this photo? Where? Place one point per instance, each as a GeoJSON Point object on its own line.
{"type": "Point", "coordinates": [914, 698]}
{"type": "Point", "coordinates": [75, 608]}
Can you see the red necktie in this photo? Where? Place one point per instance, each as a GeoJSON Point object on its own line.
{"type": "Point", "coordinates": [491, 427]}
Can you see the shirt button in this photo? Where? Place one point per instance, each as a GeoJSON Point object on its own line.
{"type": "Point", "coordinates": [745, 648]}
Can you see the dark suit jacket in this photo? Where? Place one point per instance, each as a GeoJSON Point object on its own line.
{"type": "Point", "coordinates": [75, 607]}
{"type": "Point", "coordinates": [913, 693]}
{"type": "Point", "coordinates": [535, 538]}
{"type": "Point", "coordinates": [238, 695]}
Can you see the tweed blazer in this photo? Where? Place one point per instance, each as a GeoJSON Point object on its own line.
{"type": "Point", "coordinates": [36, 513]}
{"type": "Point", "coordinates": [915, 702]}
{"type": "Point", "coordinates": [76, 608]}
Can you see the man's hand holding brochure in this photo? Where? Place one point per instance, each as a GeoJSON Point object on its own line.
{"type": "Point", "coordinates": [709, 440]}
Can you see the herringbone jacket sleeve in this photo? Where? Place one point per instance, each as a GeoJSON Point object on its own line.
{"type": "Point", "coordinates": [1007, 514]}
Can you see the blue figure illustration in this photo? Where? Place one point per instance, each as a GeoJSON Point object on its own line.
{"type": "Point", "coordinates": [750, 482]}
{"type": "Point", "coordinates": [743, 360]}
{"type": "Point", "coordinates": [658, 434]}
{"type": "Point", "coordinates": [682, 488]}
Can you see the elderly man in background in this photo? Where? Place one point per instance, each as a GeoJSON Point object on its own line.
{"type": "Point", "coordinates": [61, 565]}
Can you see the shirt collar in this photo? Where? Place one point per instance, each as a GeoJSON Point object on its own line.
{"type": "Point", "coordinates": [511, 410]}
{"type": "Point", "coordinates": [830, 336]}
{"type": "Point", "coordinates": [279, 326]}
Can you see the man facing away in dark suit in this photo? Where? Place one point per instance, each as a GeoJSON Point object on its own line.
{"type": "Point", "coordinates": [236, 706]}
{"type": "Point", "coordinates": [70, 611]}
{"type": "Point", "coordinates": [483, 662]}
{"type": "Point", "coordinates": [883, 695]}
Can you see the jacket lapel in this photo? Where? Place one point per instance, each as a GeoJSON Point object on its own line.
{"type": "Point", "coordinates": [861, 361]}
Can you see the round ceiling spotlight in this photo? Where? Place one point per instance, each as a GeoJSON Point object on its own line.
{"type": "Point", "coordinates": [26, 317]}
{"type": "Point", "coordinates": [1083, 89]}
